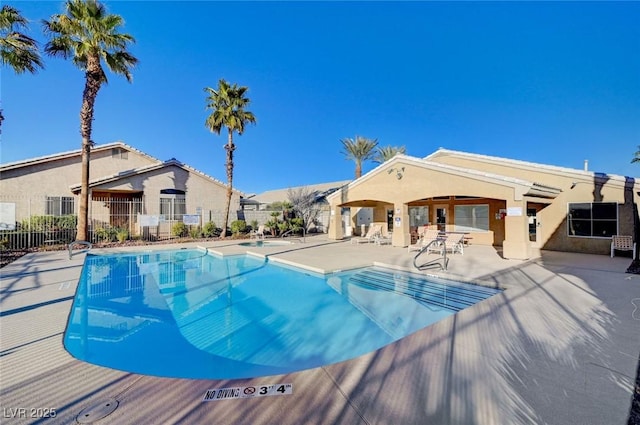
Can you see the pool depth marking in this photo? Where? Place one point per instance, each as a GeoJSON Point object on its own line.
{"type": "Point", "coordinates": [247, 392]}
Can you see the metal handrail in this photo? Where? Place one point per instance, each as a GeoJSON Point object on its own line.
{"type": "Point", "coordinates": [85, 243]}
{"type": "Point", "coordinates": [304, 239]}
{"type": "Point", "coordinates": [445, 260]}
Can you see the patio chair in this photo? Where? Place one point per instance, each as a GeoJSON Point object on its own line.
{"type": "Point", "coordinates": [456, 244]}
{"type": "Point", "coordinates": [426, 237]}
{"type": "Point", "coordinates": [258, 233]}
{"type": "Point", "coordinates": [622, 243]}
{"type": "Point", "coordinates": [372, 233]}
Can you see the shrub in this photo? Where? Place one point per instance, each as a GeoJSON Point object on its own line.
{"type": "Point", "coordinates": [106, 234]}
{"type": "Point", "coordinates": [254, 224]}
{"type": "Point", "coordinates": [296, 224]}
{"type": "Point", "coordinates": [273, 227]}
{"type": "Point", "coordinates": [238, 226]}
{"type": "Point", "coordinates": [179, 229]}
{"type": "Point", "coordinates": [210, 230]}
{"type": "Point", "coordinates": [122, 235]}
{"type": "Point", "coordinates": [195, 232]}
{"type": "Point", "coordinates": [42, 223]}
{"type": "Point", "coordinates": [283, 226]}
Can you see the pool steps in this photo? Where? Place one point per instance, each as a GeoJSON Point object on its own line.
{"type": "Point", "coordinates": [453, 296]}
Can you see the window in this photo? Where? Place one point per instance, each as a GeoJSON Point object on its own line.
{"type": "Point", "coordinates": [173, 204]}
{"type": "Point", "coordinates": [117, 153]}
{"type": "Point", "coordinates": [418, 216]}
{"type": "Point", "coordinates": [60, 205]}
{"type": "Point", "coordinates": [594, 220]}
{"type": "Point", "coordinates": [471, 218]}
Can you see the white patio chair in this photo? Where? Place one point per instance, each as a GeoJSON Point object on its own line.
{"type": "Point", "coordinates": [258, 233]}
{"type": "Point", "coordinates": [371, 235]}
{"type": "Point", "coordinates": [623, 243]}
{"type": "Point", "coordinates": [456, 244]}
{"type": "Point", "coordinates": [426, 237]}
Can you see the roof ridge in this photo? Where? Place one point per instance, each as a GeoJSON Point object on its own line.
{"type": "Point", "coordinates": [523, 163]}
{"type": "Point", "coordinates": [58, 155]}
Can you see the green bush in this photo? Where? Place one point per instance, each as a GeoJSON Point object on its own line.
{"type": "Point", "coordinates": [106, 234]}
{"type": "Point", "coordinates": [238, 226]}
{"type": "Point", "coordinates": [122, 235]}
{"type": "Point", "coordinates": [283, 226]}
{"type": "Point", "coordinates": [273, 227]}
{"type": "Point", "coordinates": [296, 224]}
{"type": "Point", "coordinates": [210, 230]}
{"type": "Point", "coordinates": [254, 224]}
{"type": "Point", "coordinates": [43, 223]}
{"type": "Point", "coordinates": [195, 232]}
{"type": "Point", "coordinates": [179, 229]}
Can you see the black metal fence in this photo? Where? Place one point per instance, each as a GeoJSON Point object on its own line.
{"type": "Point", "coordinates": [28, 222]}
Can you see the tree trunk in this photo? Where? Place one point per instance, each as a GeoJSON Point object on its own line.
{"type": "Point", "coordinates": [84, 193]}
{"type": "Point", "coordinates": [93, 81]}
{"type": "Point", "coordinates": [229, 147]}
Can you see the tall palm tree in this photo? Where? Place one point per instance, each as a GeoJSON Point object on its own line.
{"type": "Point", "coordinates": [88, 35]}
{"type": "Point", "coordinates": [385, 153]}
{"type": "Point", "coordinates": [359, 150]}
{"type": "Point", "coordinates": [17, 50]}
{"type": "Point", "coordinates": [228, 103]}
{"type": "Point", "coordinates": [636, 156]}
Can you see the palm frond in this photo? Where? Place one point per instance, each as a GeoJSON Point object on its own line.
{"type": "Point", "coordinates": [17, 50]}
{"type": "Point", "coordinates": [636, 156]}
{"type": "Point", "coordinates": [360, 148]}
{"type": "Point", "coordinates": [87, 31]}
{"type": "Point", "coordinates": [228, 103]}
{"type": "Point", "coordinates": [385, 153]}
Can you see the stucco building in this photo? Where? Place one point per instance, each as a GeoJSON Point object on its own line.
{"type": "Point", "coordinates": [514, 205]}
{"type": "Point", "coordinates": [125, 185]}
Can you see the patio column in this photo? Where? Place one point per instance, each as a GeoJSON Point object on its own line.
{"type": "Point", "coordinates": [516, 228]}
{"type": "Point", "coordinates": [335, 223]}
{"type": "Point", "coordinates": [401, 234]}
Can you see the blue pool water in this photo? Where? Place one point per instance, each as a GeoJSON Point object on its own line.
{"type": "Point", "coordinates": [189, 314]}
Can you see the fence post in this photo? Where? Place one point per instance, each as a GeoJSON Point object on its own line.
{"type": "Point", "coordinates": [30, 229]}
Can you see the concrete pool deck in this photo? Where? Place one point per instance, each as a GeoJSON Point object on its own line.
{"type": "Point", "coordinates": [560, 346]}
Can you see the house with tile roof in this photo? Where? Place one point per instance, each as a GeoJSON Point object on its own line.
{"type": "Point", "coordinates": [126, 186]}
{"type": "Point", "coordinates": [515, 206]}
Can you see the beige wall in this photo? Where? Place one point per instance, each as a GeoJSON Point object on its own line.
{"type": "Point", "coordinates": [423, 181]}
{"type": "Point", "coordinates": [28, 186]}
{"type": "Point", "coordinates": [553, 232]}
{"type": "Point", "coordinates": [383, 190]}
{"type": "Point", "coordinates": [54, 178]}
{"type": "Point", "coordinates": [200, 191]}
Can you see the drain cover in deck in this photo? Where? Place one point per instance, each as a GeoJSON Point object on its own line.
{"type": "Point", "coordinates": [99, 410]}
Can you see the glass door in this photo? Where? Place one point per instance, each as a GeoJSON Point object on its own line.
{"type": "Point", "coordinates": [441, 217]}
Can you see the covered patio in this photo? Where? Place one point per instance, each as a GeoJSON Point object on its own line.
{"type": "Point", "coordinates": [406, 193]}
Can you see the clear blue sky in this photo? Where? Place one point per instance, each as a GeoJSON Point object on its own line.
{"type": "Point", "coordinates": [555, 83]}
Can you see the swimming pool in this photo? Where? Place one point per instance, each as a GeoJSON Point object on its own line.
{"type": "Point", "coordinates": [190, 314]}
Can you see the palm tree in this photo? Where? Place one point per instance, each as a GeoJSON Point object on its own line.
{"type": "Point", "coordinates": [636, 156]}
{"type": "Point", "coordinates": [385, 153]}
{"type": "Point", "coordinates": [17, 50]}
{"type": "Point", "coordinates": [228, 103]}
{"type": "Point", "coordinates": [359, 150]}
{"type": "Point", "coordinates": [89, 35]}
